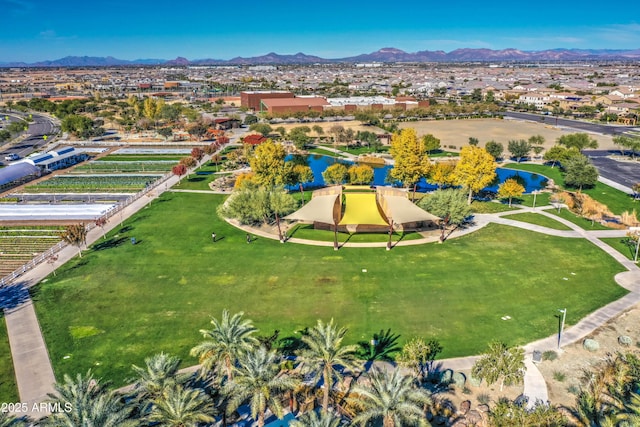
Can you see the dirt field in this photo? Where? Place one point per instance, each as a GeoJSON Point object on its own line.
{"type": "Point", "coordinates": [457, 132]}
{"type": "Point", "coordinates": [354, 124]}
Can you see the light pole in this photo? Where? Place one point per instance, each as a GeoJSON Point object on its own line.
{"type": "Point", "coordinates": [390, 234]}
{"type": "Point", "coordinates": [564, 315]}
{"type": "Point", "coordinates": [535, 193]}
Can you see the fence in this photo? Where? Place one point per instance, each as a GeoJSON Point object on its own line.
{"type": "Point", "coordinates": [50, 255]}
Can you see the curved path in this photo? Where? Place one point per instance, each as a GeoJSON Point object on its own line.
{"type": "Point", "coordinates": [34, 373]}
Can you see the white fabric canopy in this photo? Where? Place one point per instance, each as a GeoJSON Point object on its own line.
{"type": "Point", "coordinates": [319, 209]}
{"type": "Point", "coordinates": [402, 210]}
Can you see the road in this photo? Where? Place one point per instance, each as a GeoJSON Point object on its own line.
{"type": "Point", "coordinates": [40, 126]}
{"type": "Point", "coordinates": [576, 124]}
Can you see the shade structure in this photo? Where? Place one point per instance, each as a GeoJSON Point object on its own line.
{"type": "Point", "coordinates": [403, 211]}
{"type": "Point", "coordinates": [362, 209]}
{"type": "Point", "coordinates": [318, 209]}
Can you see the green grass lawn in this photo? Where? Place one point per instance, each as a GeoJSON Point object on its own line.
{"type": "Point", "coordinates": [306, 231]}
{"type": "Point", "coordinates": [537, 219]}
{"type": "Point", "coordinates": [577, 220]}
{"type": "Point", "coordinates": [616, 200]}
{"type": "Point", "coordinates": [620, 244]}
{"type": "Point", "coordinates": [120, 303]}
{"type": "Point", "coordinates": [8, 387]}
{"type": "Point", "coordinates": [542, 199]}
{"type": "Point", "coordinates": [490, 207]}
{"type": "Point", "coordinates": [200, 182]}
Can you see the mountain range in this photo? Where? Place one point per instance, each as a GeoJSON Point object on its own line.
{"type": "Point", "coordinates": [388, 54]}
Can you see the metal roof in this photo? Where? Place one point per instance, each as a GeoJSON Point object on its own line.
{"type": "Point", "coordinates": [17, 171]}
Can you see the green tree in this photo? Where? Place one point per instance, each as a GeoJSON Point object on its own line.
{"type": "Point", "coordinates": [580, 172]}
{"type": "Point", "coordinates": [410, 156]}
{"type": "Point", "coordinates": [537, 144]}
{"type": "Point", "coordinates": [20, 126]}
{"type": "Point", "coordinates": [381, 347]}
{"type": "Point", "coordinates": [298, 174]}
{"type": "Point", "coordinates": [555, 155]}
{"type": "Point", "coordinates": [579, 141]}
{"type": "Point", "coordinates": [360, 174]}
{"type": "Point", "coordinates": [5, 135]}
{"type": "Point", "coordinates": [159, 373]}
{"type": "Point", "coordinates": [258, 379]}
{"type": "Point", "coordinates": [300, 136]}
{"type": "Point", "coordinates": [75, 234]}
{"type": "Point", "coordinates": [335, 174]}
{"type": "Point", "coordinates": [418, 355]}
{"type": "Point", "coordinates": [262, 128]}
{"type": "Point", "coordinates": [500, 363]}
{"type": "Point", "coordinates": [390, 399]}
{"type": "Point", "coordinates": [229, 337]}
{"type": "Point", "coordinates": [280, 203]}
{"type": "Point", "coordinates": [315, 419]}
{"type": "Point", "coordinates": [324, 354]}
{"type": "Point", "coordinates": [318, 130]}
{"type": "Point", "coordinates": [450, 205]}
{"type": "Point", "coordinates": [165, 132]}
{"type": "Point", "coordinates": [86, 402]}
{"type": "Point", "coordinates": [627, 143]}
{"type": "Point", "coordinates": [519, 149]}
{"type": "Point", "coordinates": [267, 163]}
{"type": "Point", "coordinates": [198, 129]}
{"type": "Point", "coordinates": [475, 170]}
{"type": "Point", "coordinates": [181, 406]}
{"type": "Point", "coordinates": [7, 420]}
{"type": "Point", "coordinates": [431, 143]}
{"type": "Point", "coordinates": [250, 119]}
{"type": "Point", "coordinates": [495, 149]}
{"type": "Point", "coordinates": [509, 189]}
{"type": "Point", "coordinates": [473, 141]}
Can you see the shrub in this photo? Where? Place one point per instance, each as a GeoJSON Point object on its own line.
{"type": "Point", "coordinates": [559, 376]}
{"type": "Point", "coordinates": [475, 381]}
{"type": "Point", "coordinates": [549, 355]}
{"type": "Point", "coordinates": [590, 345]}
{"type": "Point", "coordinates": [624, 340]}
{"type": "Point", "coordinates": [466, 390]}
{"type": "Point", "coordinates": [445, 377]}
{"type": "Point", "coordinates": [573, 389]}
{"type": "Point", "coordinates": [484, 399]}
{"type": "Point", "coordinates": [459, 379]}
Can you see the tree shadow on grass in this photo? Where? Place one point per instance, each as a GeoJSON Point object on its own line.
{"type": "Point", "coordinates": [12, 296]}
{"type": "Point", "coordinates": [109, 244]}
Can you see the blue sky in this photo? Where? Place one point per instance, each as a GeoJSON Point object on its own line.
{"type": "Point", "coordinates": [35, 30]}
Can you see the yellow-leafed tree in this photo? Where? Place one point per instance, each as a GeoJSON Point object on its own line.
{"type": "Point", "coordinates": [509, 189]}
{"type": "Point", "coordinates": [410, 156]}
{"type": "Point", "coordinates": [475, 170]}
{"type": "Point", "coordinates": [442, 173]}
{"type": "Point", "coordinates": [267, 163]}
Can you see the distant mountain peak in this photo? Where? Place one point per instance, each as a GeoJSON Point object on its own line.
{"type": "Point", "coordinates": [386, 54]}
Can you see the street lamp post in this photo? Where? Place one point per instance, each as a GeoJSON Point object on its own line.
{"type": "Point", "coordinates": [535, 193]}
{"type": "Point", "coordinates": [564, 315]}
{"type": "Point", "coordinates": [390, 234]}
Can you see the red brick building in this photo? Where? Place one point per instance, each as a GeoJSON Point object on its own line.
{"type": "Point", "coordinates": [251, 99]}
{"type": "Point", "coordinates": [293, 105]}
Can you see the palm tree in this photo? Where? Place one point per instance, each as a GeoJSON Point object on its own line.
{"type": "Point", "coordinates": [391, 398]}
{"type": "Point", "coordinates": [180, 406]}
{"type": "Point", "coordinates": [313, 419]}
{"type": "Point", "coordinates": [260, 380]}
{"type": "Point", "coordinates": [86, 402]}
{"type": "Point", "coordinates": [226, 341]}
{"type": "Point", "coordinates": [7, 420]}
{"type": "Point", "coordinates": [325, 354]}
{"type": "Point", "coordinates": [160, 373]}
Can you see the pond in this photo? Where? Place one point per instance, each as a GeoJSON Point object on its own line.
{"type": "Point", "coordinates": [319, 163]}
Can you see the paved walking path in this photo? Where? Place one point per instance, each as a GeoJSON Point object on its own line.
{"type": "Point", "coordinates": [34, 373]}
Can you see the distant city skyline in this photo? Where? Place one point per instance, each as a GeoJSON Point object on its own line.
{"type": "Point", "coordinates": [38, 30]}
